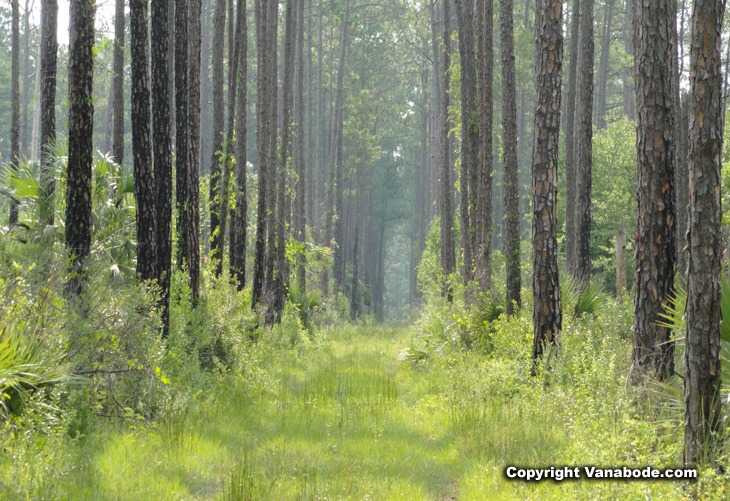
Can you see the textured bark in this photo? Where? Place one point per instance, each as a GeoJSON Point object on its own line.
{"type": "Point", "coordinates": [621, 260]}
{"type": "Point", "coordinates": [469, 134]}
{"type": "Point", "coordinates": [182, 176]}
{"type": "Point", "coordinates": [80, 145]}
{"type": "Point", "coordinates": [144, 180]}
{"type": "Point", "coordinates": [485, 65]}
{"type": "Point", "coordinates": [15, 100]}
{"type": "Point", "coordinates": [448, 255]}
{"type": "Point", "coordinates": [571, 260]}
{"type": "Point", "coordinates": [703, 361]}
{"type": "Point", "coordinates": [509, 157]}
{"type": "Point", "coordinates": [653, 350]}
{"type": "Point", "coordinates": [681, 168]}
{"type": "Point", "coordinates": [584, 144]}
{"type": "Point", "coordinates": [162, 148]}
{"type": "Point", "coordinates": [300, 185]}
{"type": "Point", "coordinates": [216, 232]}
{"type": "Point", "coordinates": [194, 104]}
{"type": "Point", "coordinates": [238, 215]}
{"type": "Point", "coordinates": [547, 315]}
{"type": "Point", "coordinates": [49, 50]}
{"type": "Point", "coordinates": [118, 84]}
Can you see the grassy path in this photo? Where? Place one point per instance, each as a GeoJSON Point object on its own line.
{"type": "Point", "coordinates": [341, 418]}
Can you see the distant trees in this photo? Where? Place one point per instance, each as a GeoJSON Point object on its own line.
{"type": "Point", "coordinates": [547, 315]}
{"type": "Point", "coordinates": [702, 356]}
{"type": "Point", "coordinates": [80, 146]}
{"type": "Point", "coordinates": [654, 24]}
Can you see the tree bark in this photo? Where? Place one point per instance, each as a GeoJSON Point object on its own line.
{"type": "Point", "coordinates": [144, 180]}
{"type": "Point", "coordinates": [194, 126]}
{"type": "Point", "coordinates": [162, 145]}
{"type": "Point", "coordinates": [205, 89]}
{"type": "Point", "coordinates": [603, 66]}
{"type": "Point", "coordinates": [238, 215]}
{"type": "Point", "coordinates": [80, 145]}
{"type": "Point", "coordinates": [653, 350]}
{"type": "Point", "coordinates": [571, 260]}
{"type": "Point", "coordinates": [485, 65]}
{"type": "Point", "coordinates": [584, 144]}
{"type": "Point", "coordinates": [24, 140]}
{"type": "Point", "coordinates": [547, 315]}
{"type": "Point", "coordinates": [469, 134]}
{"type": "Point", "coordinates": [49, 49]}
{"type": "Point", "coordinates": [509, 157]}
{"type": "Point", "coordinates": [216, 232]}
{"type": "Point", "coordinates": [182, 174]}
{"type": "Point", "coordinates": [703, 361]}
{"type": "Point", "coordinates": [448, 255]}
{"type": "Point", "coordinates": [118, 84]}
{"type": "Point", "coordinates": [15, 101]}
{"type": "Point", "coordinates": [300, 185]}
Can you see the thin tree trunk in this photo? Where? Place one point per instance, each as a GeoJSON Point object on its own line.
{"type": "Point", "coordinates": [15, 101]}
{"type": "Point", "coordinates": [118, 84]}
{"type": "Point", "coordinates": [24, 143]}
{"type": "Point", "coordinates": [629, 97]}
{"type": "Point", "coordinates": [49, 49]}
{"type": "Point", "coordinates": [35, 139]}
{"type": "Point", "coordinates": [162, 148]}
{"type": "Point", "coordinates": [485, 65]}
{"type": "Point", "coordinates": [621, 260]}
{"type": "Point", "coordinates": [546, 315]}
{"type": "Point", "coordinates": [571, 259]}
{"type": "Point", "coordinates": [469, 134]}
{"type": "Point", "coordinates": [300, 184]}
{"type": "Point", "coordinates": [182, 174]}
{"type": "Point", "coordinates": [319, 138]}
{"type": "Point", "coordinates": [194, 126]}
{"type": "Point", "coordinates": [80, 145]}
{"type": "Point", "coordinates": [144, 180]}
{"type": "Point", "coordinates": [205, 138]}
{"type": "Point", "coordinates": [216, 244]}
{"type": "Point", "coordinates": [238, 216]}
{"type": "Point", "coordinates": [653, 350]}
{"type": "Point", "coordinates": [702, 383]}
{"type": "Point", "coordinates": [584, 144]}
{"type": "Point", "coordinates": [509, 158]}
{"type": "Point", "coordinates": [448, 255]}
{"type": "Point", "coordinates": [603, 66]}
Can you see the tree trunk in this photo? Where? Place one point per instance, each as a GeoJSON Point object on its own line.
{"type": "Point", "coordinates": [703, 362]}
{"type": "Point", "coordinates": [216, 232]}
{"type": "Point", "coordinates": [603, 66]}
{"type": "Point", "coordinates": [485, 64]}
{"type": "Point", "coordinates": [653, 350]}
{"type": "Point", "coordinates": [49, 49]}
{"type": "Point", "coordinates": [584, 144]}
{"type": "Point", "coordinates": [546, 315]}
{"type": "Point", "coordinates": [337, 165]}
{"type": "Point", "coordinates": [205, 89]}
{"type": "Point", "coordinates": [509, 157]}
{"type": "Point", "coordinates": [24, 143]}
{"type": "Point", "coordinates": [159, 39]}
{"type": "Point", "coordinates": [238, 216]}
{"type": "Point", "coordinates": [448, 255]}
{"type": "Point", "coordinates": [182, 175]}
{"type": "Point", "coordinates": [34, 139]}
{"type": "Point", "coordinates": [194, 126]}
{"type": "Point", "coordinates": [682, 180]}
{"type": "Point", "coordinates": [621, 260]}
{"type": "Point", "coordinates": [469, 134]}
{"type": "Point", "coordinates": [118, 84]}
{"type": "Point", "coordinates": [571, 260]}
{"type": "Point", "coordinates": [144, 180]}
{"type": "Point", "coordinates": [15, 101]}
{"type": "Point", "coordinates": [80, 145]}
{"type": "Point", "coordinates": [300, 209]}
{"type": "Point", "coordinates": [629, 98]}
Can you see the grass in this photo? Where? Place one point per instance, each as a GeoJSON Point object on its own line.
{"type": "Point", "coordinates": [343, 418]}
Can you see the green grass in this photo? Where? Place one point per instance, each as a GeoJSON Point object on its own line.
{"type": "Point", "coordinates": [342, 418]}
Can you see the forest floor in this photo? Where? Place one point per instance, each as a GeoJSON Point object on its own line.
{"type": "Point", "coordinates": [336, 417]}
